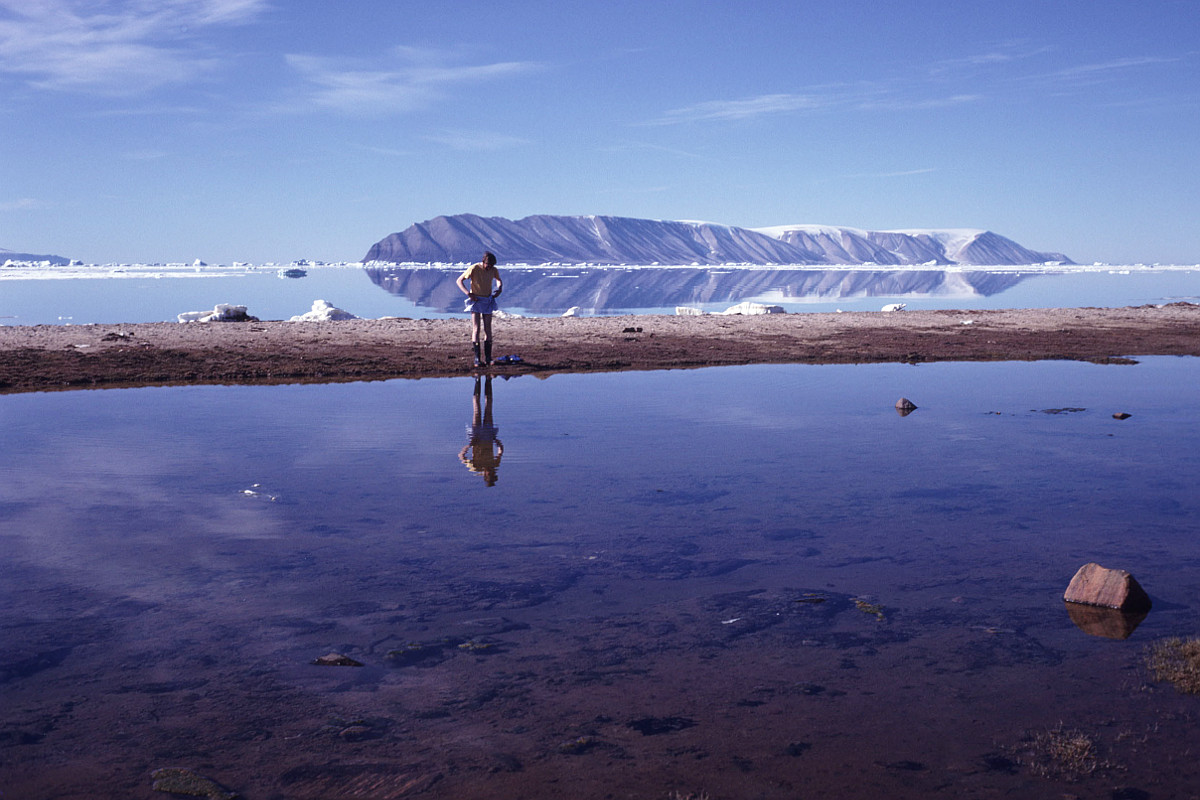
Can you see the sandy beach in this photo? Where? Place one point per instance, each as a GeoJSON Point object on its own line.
{"type": "Point", "coordinates": [57, 357]}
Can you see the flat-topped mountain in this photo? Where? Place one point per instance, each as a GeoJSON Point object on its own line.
{"type": "Point", "coordinates": [546, 239]}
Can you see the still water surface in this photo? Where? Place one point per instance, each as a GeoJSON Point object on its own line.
{"type": "Point", "coordinates": [431, 293]}
{"type": "Point", "coordinates": [751, 582]}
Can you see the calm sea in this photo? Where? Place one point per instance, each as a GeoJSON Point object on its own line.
{"type": "Point", "coordinates": [145, 296]}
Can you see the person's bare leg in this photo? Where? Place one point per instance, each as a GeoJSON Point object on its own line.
{"type": "Point", "coordinates": [487, 338]}
{"type": "Point", "coordinates": [476, 324]}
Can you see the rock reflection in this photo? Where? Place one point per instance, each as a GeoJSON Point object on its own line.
{"type": "Point", "coordinates": [543, 290]}
{"type": "Point", "coordinates": [1106, 623]}
{"type": "Point", "coordinates": [484, 449]}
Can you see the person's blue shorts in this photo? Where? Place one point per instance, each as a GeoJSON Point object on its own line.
{"type": "Point", "coordinates": [484, 305]}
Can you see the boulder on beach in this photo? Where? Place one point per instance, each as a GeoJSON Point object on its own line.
{"type": "Point", "coordinates": [323, 311]}
{"type": "Point", "coordinates": [1095, 585]}
{"type": "Point", "coordinates": [222, 312]}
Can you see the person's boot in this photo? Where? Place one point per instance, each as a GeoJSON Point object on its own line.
{"type": "Point", "coordinates": [487, 351]}
{"type": "Point", "coordinates": [475, 347]}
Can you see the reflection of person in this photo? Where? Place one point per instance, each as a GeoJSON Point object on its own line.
{"type": "Point", "coordinates": [483, 458]}
{"type": "Point", "coordinates": [481, 302]}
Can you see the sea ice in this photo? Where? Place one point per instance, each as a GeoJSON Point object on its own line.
{"type": "Point", "coordinates": [323, 311]}
{"type": "Point", "coordinates": [748, 308]}
{"type": "Point", "coordinates": [222, 312]}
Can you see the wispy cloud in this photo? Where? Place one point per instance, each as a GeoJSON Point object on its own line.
{"type": "Point", "coordinates": [902, 104]}
{"type": "Point", "coordinates": [476, 140]}
{"type": "Point", "coordinates": [860, 97]}
{"type": "Point", "coordinates": [745, 108]}
{"type": "Point", "coordinates": [412, 78]}
{"type": "Point", "coordinates": [112, 47]}
{"type": "Point", "coordinates": [1004, 54]}
{"type": "Point", "coordinates": [942, 84]}
{"type": "Point", "coordinates": [1031, 65]}
{"type": "Point", "coordinates": [24, 204]}
{"type": "Point", "coordinates": [151, 111]}
{"type": "Point", "coordinates": [629, 147]}
{"type": "Point", "coordinates": [1106, 68]}
{"type": "Point", "coordinates": [391, 152]}
{"type": "Point", "coordinates": [905, 173]}
{"type": "Point", "coordinates": [145, 155]}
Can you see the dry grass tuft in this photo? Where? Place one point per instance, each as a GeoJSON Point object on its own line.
{"type": "Point", "coordinates": [867, 607]}
{"type": "Point", "coordinates": [1178, 661]}
{"type": "Point", "coordinates": [1061, 753]}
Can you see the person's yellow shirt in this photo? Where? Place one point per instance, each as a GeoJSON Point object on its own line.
{"type": "Point", "coordinates": [481, 279]}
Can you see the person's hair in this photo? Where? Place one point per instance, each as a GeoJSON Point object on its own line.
{"type": "Point", "coordinates": [489, 259]}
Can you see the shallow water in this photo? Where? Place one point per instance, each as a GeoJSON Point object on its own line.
{"type": "Point", "coordinates": [430, 293]}
{"type": "Point", "coordinates": [753, 581]}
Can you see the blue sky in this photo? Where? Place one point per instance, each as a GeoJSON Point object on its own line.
{"type": "Point", "coordinates": [270, 130]}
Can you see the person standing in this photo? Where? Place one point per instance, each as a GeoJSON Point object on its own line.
{"type": "Point", "coordinates": [476, 283]}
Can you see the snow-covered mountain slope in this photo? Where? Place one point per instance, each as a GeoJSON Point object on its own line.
{"type": "Point", "coordinates": [546, 239]}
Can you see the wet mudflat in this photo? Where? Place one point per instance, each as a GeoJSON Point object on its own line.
{"type": "Point", "coordinates": [746, 581]}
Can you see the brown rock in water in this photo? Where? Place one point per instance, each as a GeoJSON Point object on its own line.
{"type": "Point", "coordinates": [1121, 415]}
{"type": "Point", "coordinates": [904, 406]}
{"type": "Point", "coordinates": [336, 660]}
{"type": "Point", "coordinates": [175, 780]}
{"type": "Point", "coordinates": [1095, 585]}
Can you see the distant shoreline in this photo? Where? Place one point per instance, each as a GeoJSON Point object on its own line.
{"type": "Point", "coordinates": [57, 357]}
{"type": "Point", "coordinates": [34, 271]}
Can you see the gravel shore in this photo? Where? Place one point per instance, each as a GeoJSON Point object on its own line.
{"type": "Point", "coordinates": [54, 357]}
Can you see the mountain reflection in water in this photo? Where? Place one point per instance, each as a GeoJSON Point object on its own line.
{"type": "Point", "coordinates": [595, 290]}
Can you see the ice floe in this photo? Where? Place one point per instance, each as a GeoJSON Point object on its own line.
{"type": "Point", "coordinates": [323, 311]}
{"type": "Point", "coordinates": [747, 308]}
{"type": "Point", "coordinates": [222, 312]}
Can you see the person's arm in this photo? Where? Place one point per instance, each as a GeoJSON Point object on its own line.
{"type": "Point", "coordinates": [462, 285]}
{"type": "Point", "coordinates": [499, 285]}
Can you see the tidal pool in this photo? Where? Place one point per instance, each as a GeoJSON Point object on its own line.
{"type": "Point", "coordinates": [744, 582]}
